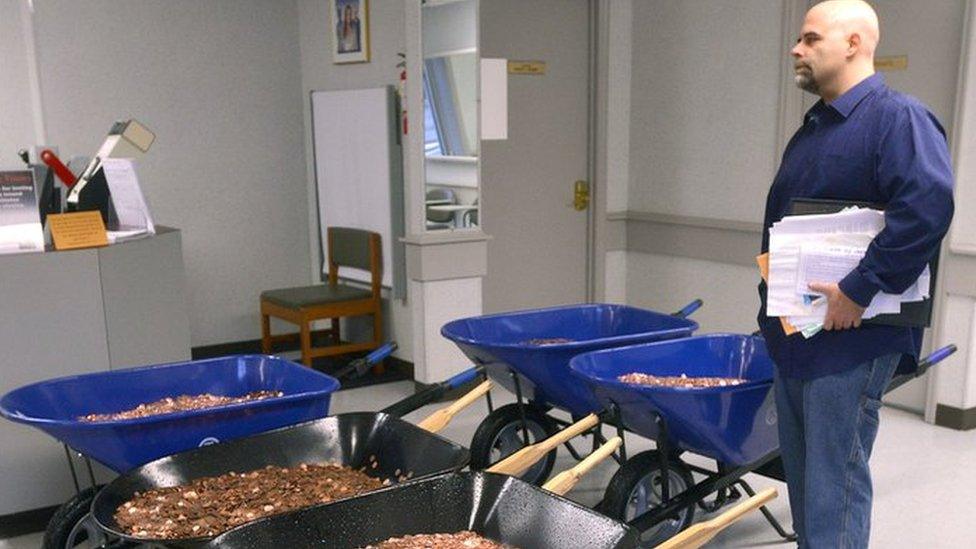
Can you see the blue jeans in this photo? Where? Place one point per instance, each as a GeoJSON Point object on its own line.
{"type": "Point", "coordinates": [827, 428]}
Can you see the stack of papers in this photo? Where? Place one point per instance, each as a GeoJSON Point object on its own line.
{"type": "Point", "coordinates": [823, 248]}
{"type": "Point", "coordinates": [135, 221]}
{"type": "Point", "coordinates": [20, 218]}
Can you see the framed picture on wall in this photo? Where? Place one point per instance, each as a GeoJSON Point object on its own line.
{"type": "Point", "coordinates": [350, 31]}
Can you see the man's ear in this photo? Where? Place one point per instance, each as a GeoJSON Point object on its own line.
{"type": "Point", "coordinates": [853, 44]}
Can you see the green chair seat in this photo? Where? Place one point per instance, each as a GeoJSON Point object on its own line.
{"type": "Point", "coordinates": [307, 296]}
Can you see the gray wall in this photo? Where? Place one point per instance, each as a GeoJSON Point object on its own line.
{"type": "Point", "coordinates": [219, 84]}
{"type": "Point", "coordinates": [318, 72]}
{"type": "Point", "coordinates": [704, 86]}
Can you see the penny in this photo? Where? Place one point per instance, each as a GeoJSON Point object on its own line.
{"type": "Point", "coordinates": [547, 341]}
{"type": "Point", "coordinates": [212, 505]}
{"type": "Point", "coordinates": [460, 540]}
{"type": "Point", "coordinates": [181, 403]}
{"type": "Point", "coordinates": [682, 381]}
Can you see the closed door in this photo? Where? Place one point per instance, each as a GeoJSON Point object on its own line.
{"type": "Point", "coordinates": [537, 254]}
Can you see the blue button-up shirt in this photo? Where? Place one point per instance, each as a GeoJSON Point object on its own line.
{"type": "Point", "coordinates": [871, 144]}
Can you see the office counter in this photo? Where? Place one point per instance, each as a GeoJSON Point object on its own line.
{"type": "Point", "coordinates": [74, 312]}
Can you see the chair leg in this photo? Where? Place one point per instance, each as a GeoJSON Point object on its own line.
{"type": "Point", "coordinates": [378, 369]}
{"type": "Point", "coordinates": [265, 334]}
{"type": "Point", "coordinates": [335, 331]}
{"type": "Point", "coordinates": [306, 340]}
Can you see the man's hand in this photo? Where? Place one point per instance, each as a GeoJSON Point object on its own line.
{"type": "Point", "coordinates": [842, 313]}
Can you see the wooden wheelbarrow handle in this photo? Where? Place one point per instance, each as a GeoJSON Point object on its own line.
{"type": "Point", "coordinates": [565, 481]}
{"type": "Point", "coordinates": [519, 462]}
{"type": "Point", "coordinates": [703, 532]}
{"type": "Point", "coordinates": [439, 419]}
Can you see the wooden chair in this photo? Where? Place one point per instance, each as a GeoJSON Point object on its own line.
{"type": "Point", "coordinates": [305, 304]}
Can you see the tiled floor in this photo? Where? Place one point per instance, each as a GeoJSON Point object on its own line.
{"type": "Point", "coordinates": [924, 478]}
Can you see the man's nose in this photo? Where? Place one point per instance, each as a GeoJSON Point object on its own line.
{"type": "Point", "coordinates": [795, 52]}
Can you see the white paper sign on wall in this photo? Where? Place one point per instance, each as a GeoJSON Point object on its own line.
{"type": "Point", "coordinates": [494, 99]}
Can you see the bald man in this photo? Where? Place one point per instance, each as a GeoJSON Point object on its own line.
{"type": "Point", "coordinates": [861, 142]}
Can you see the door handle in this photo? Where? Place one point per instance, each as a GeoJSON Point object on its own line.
{"type": "Point", "coordinates": [581, 195]}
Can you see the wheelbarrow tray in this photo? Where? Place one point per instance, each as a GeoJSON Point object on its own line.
{"type": "Point", "coordinates": [54, 406]}
{"type": "Point", "coordinates": [500, 342]}
{"type": "Point", "coordinates": [400, 448]}
{"type": "Point", "coordinates": [735, 425]}
{"type": "Point", "coordinates": [499, 507]}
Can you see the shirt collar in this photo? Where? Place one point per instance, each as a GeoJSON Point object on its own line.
{"type": "Point", "coordinates": [845, 104]}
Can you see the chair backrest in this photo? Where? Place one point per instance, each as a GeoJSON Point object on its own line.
{"type": "Point", "coordinates": [445, 196]}
{"type": "Point", "coordinates": [357, 248]}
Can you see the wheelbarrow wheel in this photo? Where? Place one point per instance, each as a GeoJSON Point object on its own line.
{"type": "Point", "coordinates": [636, 488]}
{"type": "Point", "coordinates": [500, 435]}
{"type": "Point", "coordinates": [72, 526]}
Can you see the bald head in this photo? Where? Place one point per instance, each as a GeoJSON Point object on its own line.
{"type": "Point", "coordinates": [852, 17]}
{"type": "Point", "coordinates": [836, 47]}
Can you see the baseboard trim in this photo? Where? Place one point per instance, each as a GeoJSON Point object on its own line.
{"type": "Point", "coordinates": [253, 346]}
{"type": "Point", "coordinates": [955, 418]}
{"type": "Point", "coordinates": [26, 522]}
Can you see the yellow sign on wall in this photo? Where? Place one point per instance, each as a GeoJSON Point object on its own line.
{"type": "Point", "coordinates": [526, 67]}
{"type": "Point", "coordinates": [891, 63]}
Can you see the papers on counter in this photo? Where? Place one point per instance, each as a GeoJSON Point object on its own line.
{"type": "Point", "coordinates": [824, 248]}
{"type": "Point", "coordinates": [130, 204]}
{"type": "Point", "coordinates": [20, 219]}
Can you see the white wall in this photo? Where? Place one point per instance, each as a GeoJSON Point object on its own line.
{"type": "Point", "coordinates": [962, 235]}
{"type": "Point", "coordinates": [618, 104]}
{"type": "Point", "coordinates": [16, 123]}
{"type": "Point", "coordinates": [705, 90]}
{"type": "Point", "coordinates": [318, 72]}
{"type": "Point", "coordinates": [219, 84]}
{"type": "Point", "coordinates": [616, 277]}
{"type": "Point", "coordinates": [668, 283]}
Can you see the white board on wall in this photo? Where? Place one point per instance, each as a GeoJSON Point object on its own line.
{"type": "Point", "coordinates": [357, 172]}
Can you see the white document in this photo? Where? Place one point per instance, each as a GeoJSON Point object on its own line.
{"type": "Point", "coordinates": [21, 238]}
{"type": "Point", "coordinates": [825, 263]}
{"type": "Point", "coordinates": [825, 248]}
{"type": "Point", "coordinates": [850, 220]}
{"type": "Point", "coordinates": [130, 204]}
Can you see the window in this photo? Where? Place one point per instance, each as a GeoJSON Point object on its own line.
{"type": "Point", "coordinates": [441, 112]}
{"type": "Point", "coordinates": [432, 142]}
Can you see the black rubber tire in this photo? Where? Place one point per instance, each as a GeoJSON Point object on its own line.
{"type": "Point", "coordinates": [620, 492]}
{"type": "Point", "coordinates": [66, 517]}
{"type": "Point", "coordinates": [484, 439]}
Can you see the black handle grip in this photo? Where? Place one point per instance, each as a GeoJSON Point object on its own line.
{"type": "Point", "coordinates": [361, 365]}
{"type": "Point", "coordinates": [686, 311]}
{"type": "Point", "coordinates": [936, 357]}
{"type": "Point", "coordinates": [428, 395]}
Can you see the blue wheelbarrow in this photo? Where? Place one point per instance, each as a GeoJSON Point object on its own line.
{"type": "Point", "coordinates": [528, 353]}
{"type": "Point", "coordinates": [734, 425]}
{"type": "Point", "coordinates": [283, 430]}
